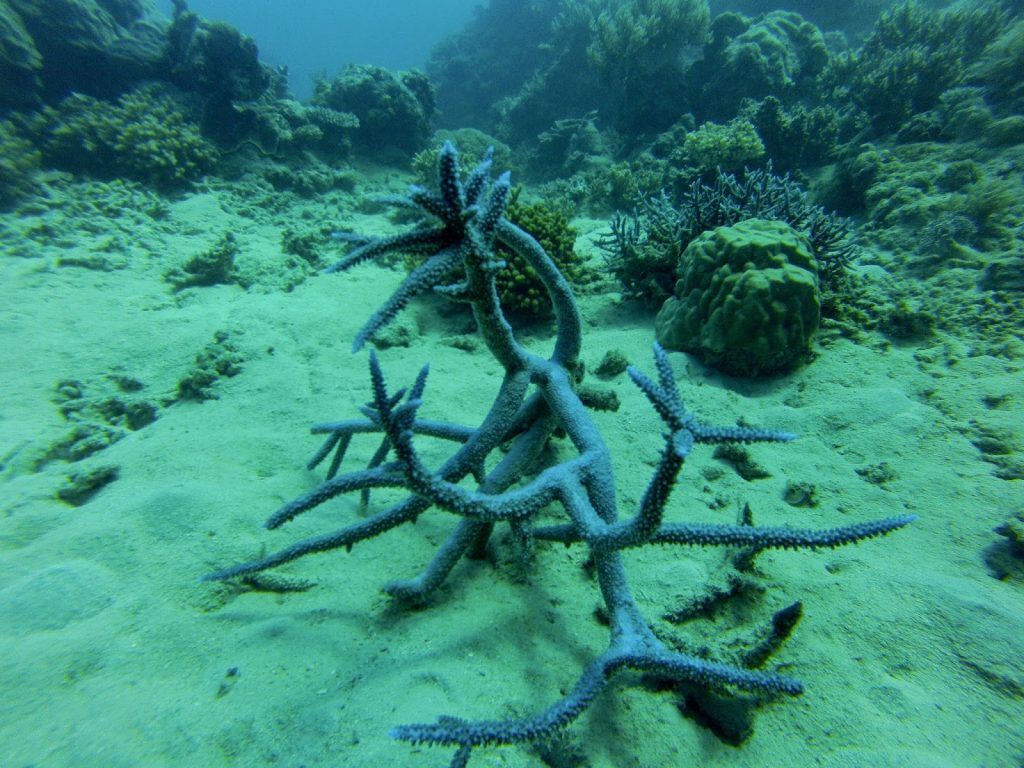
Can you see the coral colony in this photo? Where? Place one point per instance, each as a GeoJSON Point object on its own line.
{"type": "Point", "coordinates": [537, 398]}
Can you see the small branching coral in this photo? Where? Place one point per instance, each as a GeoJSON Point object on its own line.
{"type": "Point", "coordinates": [643, 249]}
{"type": "Point", "coordinates": [537, 397]}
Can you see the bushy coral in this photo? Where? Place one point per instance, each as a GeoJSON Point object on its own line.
{"type": "Point", "coordinates": [730, 148]}
{"type": "Point", "coordinates": [635, 40]}
{"type": "Point", "coordinates": [999, 69]}
{"type": "Point", "coordinates": [635, 49]}
{"type": "Point", "coordinates": [643, 250]}
{"type": "Point", "coordinates": [520, 67]}
{"type": "Point", "coordinates": [796, 136]}
{"type": "Point", "coordinates": [473, 145]}
{"type": "Point", "coordinates": [19, 161]}
{"type": "Point", "coordinates": [394, 109]}
{"type": "Point", "coordinates": [747, 299]}
{"type": "Point", "coordinates": [144, 137]}
{"type": "Point", "coordinates": [520, 289]}
{"type": "Point", "coordinates": [911, 57]}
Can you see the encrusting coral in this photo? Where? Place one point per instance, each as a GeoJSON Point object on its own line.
{"type": "Point", "coordinates": [537, 397]}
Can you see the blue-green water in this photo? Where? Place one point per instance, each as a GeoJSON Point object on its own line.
{"type": "Point", "coordinates": [818, 211]}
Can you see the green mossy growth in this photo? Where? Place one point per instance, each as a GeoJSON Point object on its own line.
{"type": "Point", "coordinates": [19, 161]}
{"type": "Point", "coordinates": [779, 54]}
{"type": "Point", "coordinates": [219, 359]}
{"type": "Point", "coordinates": [393, 109]}
{"type": "Point", "coordinates": [912, 56]}
{"type": "Point", "coordinates": [521, 292]}
{"type": "Point", "coordinates": [612, 364]}
{"type": "Point", "coordinates": [472, 144]}
{"type": "Point", "coordinates": [211, 267]}
{"type": "Point", "coordinates": [794, 137]}
{"type": "Point", "coordinates": [729, 148]}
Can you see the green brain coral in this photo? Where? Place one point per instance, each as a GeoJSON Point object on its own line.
{"type": "Point", "coordinates": [747, 299]}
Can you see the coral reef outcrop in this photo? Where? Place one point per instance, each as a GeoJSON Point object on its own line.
{"type": "Point", "coordinates": [747, 299]}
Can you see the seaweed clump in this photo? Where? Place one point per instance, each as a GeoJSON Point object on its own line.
{"type": "Point", "coordinates": [912, 56]}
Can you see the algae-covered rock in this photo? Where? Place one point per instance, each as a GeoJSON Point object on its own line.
{"type": "Point", "coordinates": [747, 299]}
{"type": "Point", "coordinates": [19, 161]}
{"type": "Point", "coordinates": [97, 47]}
{"type": "Point", "coordinates": [215, 266]}
{"type": "Point", "coordinates": [20, 60]}
{"type": "Point", "coordinates": [779, 54]}
{"type": "Point", "coordinates": [214, 59]}
{"type": "Point", "coordinates": [394, 109]}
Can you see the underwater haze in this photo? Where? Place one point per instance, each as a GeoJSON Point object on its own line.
{"type": "Point", "coordinates": [317, 37]}
{"type": "Point", "coordinates": [523, 384]}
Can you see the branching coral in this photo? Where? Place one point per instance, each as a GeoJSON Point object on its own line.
{"type": "Point", "coordinates": [644, 249]}
{"type": "Point", "coordinates": [471, 223]}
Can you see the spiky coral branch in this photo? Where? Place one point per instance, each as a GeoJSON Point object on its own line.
{"type": "Point", "coordinates": [537, 396]}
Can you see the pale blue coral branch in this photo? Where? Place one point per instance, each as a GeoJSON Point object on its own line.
{"type": "Point", "coordinates": [537, 397]}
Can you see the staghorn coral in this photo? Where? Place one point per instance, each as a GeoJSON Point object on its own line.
{"type": "Point", "coordinates": [537, 397]}
{"type": "Point", "coordinates": [474, 145]}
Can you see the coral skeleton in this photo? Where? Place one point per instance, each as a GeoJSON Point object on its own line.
{"type": "Point", "coordinates": [537, 398]}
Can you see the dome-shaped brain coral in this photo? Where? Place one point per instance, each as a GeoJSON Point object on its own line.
{"type": "Point", "coordinates": [747, 299]}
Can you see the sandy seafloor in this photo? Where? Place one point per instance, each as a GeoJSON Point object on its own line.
{"type": "Point", "coordinates": [112, 653]}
